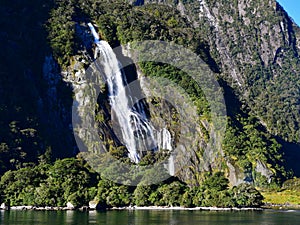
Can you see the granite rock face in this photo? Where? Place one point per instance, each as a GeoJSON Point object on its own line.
{"type": "Point", "coordinates": [254, 44]}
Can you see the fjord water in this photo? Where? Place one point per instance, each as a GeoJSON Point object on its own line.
{"type": "Point", "coordinates": [150, 217]}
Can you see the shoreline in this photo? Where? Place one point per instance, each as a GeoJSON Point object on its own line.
{"type": "Point", "coordinates": [281, 206]}
{"type": "Point", "coordinates": [188, 209]}
{"type": "Point", "coordinates": [86, 208]}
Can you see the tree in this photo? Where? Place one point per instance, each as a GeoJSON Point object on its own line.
{"type": "Point", "coordinates": [111, 194]}
{"type": "Point", "coordinates": [171, 194]}
{"type": "Point", "coordinates": [217, 182]}
{"type": "Point", "coordinates": [18, 186]}
{"type": "Point", "coordinates": [141, 195]}
{"type": "Point", "coordinates": [246, 195]}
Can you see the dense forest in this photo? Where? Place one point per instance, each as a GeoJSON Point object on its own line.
{"type": "Point", "coordinates": [252, 50]}
{"type": "Point", "coordinates": [72, 180]}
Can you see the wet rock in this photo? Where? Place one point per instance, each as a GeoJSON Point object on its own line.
{"type": "Point", "coordinates": [94, 205]}
{"type": "Point", "coordinates": [70, 206]}
{"type": "Point", "coordinates": [4, 206]}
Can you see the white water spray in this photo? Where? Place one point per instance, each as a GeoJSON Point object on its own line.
{"type": "Point", "coordinates": [136, 130]}
{"type": "Point", "coordinates": [165, 139]}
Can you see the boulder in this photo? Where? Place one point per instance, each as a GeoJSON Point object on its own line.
{"type": "Point", "coordinates": [4, 206]}
{"type": "Point", "coordinates": [84, 208]}
{"type": "Point", "coordinates": [94, 205]}
{"type": "Point", "coordinates": [70, 205]}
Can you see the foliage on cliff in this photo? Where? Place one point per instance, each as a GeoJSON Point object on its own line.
{"type": "Point", "coordinates": [22, 42]}
{"type": "Point", "coordinates": [253, 44]}
{"type": "Point", "coordinates": [72, 180]}
{"type": "Point", "coordinates": [245, 141]}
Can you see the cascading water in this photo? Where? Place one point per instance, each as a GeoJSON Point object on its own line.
{"type": "Point", "coordinates": [165, 142]}
{"type": "Point", "coordinates": [137, 132]}
{"type": "Point", "coordinates": [165, 139]}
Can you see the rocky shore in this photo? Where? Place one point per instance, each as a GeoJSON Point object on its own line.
{"type": "Point", "coordinates": [184, 208]}
{"type": "Point", "coordinates": [87, 208]}
{"type": "Point", "coordinates": [46, 208]}
{"type": "Point", "coordinates": [281, 206]}
{"type": "Point", "coordinates": [94, 206]}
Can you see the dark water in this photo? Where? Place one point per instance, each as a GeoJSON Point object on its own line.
{"type": "Point", "coordinates": [146, 217]}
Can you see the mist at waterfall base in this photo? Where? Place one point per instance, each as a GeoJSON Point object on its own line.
{"type": "Point", "coordinates": [134, 129]}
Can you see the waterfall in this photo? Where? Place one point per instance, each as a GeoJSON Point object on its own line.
{"type": "Point", "coordinates": [165, 139]}
{"type": "Point", "coordinates": [95, 34]}
{"type": "Point", "coordinates": [137, 133]}
{"type": "Point", "coordinates": [165, 142]}
{"type": "Point", "coordinates": [136, 130]}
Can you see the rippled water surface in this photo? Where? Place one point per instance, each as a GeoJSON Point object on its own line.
{"type": "Point", "coordinates": [149, 217]}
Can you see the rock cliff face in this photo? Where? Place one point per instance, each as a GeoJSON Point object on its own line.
{"type": "Point", "coordinates": [253, 45]}
{"type": "Point", "coordinates": [251, 42]}
{"type": "Point", "coordinates": [55, 106]}
{"type": "Point", "coordinates": [256, 46]}
{"type": "Point", "coordinates": [33, 96]}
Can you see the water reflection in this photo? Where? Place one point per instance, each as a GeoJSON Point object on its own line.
{"type": "Point", "coordinates": [69, 217]}
{"type": "Point", "coordinates": [154, 217]}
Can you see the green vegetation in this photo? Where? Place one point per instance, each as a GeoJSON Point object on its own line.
{"type": "Point", "coordinates": [269, 76]}
{"type": "Point", "coordinates": [288, 195]}
{"type": "Point", "coordinates": [71, 180]}
{"type": "Point", "coordinates": [61, 29]}
{"type": "Point", "coordinates": [21, 56]}
{"type": "Point", "coordinates": [26, 106]}
{"type": "Point", "coordinates": [263, 113]}
{"type": "Point", "coordinates": [66, 180]}
{"type": "Point", "coordinates": [284, 197]}
{"type": "Point", "coordinates": [246, 143]}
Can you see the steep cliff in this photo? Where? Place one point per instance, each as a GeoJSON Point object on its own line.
{"type": "Point", "coordinates": [34, 103]}
{"type": "Point", "coordinates": [251, 47]}
{"type": "Point", "coordinates": [257, 51]}
{"type": "Point", "coordinates": [256, 46]}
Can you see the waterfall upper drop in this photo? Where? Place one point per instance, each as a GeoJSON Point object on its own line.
{"type": "Point", "coordinates": [136, 131]}
{"type": "Point", "coordinates": [95, 34]}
